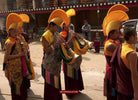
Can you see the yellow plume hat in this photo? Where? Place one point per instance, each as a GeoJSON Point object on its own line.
{"type": "Point", "coordinates": [114, 15]}
{"type": "Point", "coordinates": [15, 25]}
{"type": "Point", "coordinates": [118, 7]}
{"type": "Point", "coordinates": [57, 21]}
{"type": "Point", "coordinates": [71, 12]}
{"type": "Point", "coordinates": [13, 18]}
{"type": "Point", "coordinates": [112, 25]}
{"type": "Point", "coordinates": [25, 18]}
{"type": "Point", "coordinates": [57, 15]}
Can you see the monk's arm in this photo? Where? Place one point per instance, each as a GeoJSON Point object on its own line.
{"type": "Point", "coordinates": [111, 47]}
{"type": "Point", "coordinates": [132, 60]}
{"type": "Point", "coordinates": [47, 48]}
{"type": "Point", "coordinates": [8, 54]}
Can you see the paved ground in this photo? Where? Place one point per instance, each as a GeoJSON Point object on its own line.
{"type": "Point", "coordinates": [93, 67]}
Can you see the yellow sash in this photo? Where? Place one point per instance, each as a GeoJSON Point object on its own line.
{"type": "Point", "coordinates": [10, 39]}
{"type": "Point", "coordinates": [48, 35]}
{"type": "Point", "coordinates": [126, 48]}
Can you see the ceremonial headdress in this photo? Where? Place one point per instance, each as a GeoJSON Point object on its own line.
{"type": "Point", "coordinates": [25, 18]}
{"type": "Point", "coordinates": [116, 12]}
{"type": "Point", "coordinates": [13, 21]}
{"type": "Point", "coordinates": [58, 16]}
{"type": "Point", "coordinates": [118, 7]}
{"type": "Point", "coordinates": [114, 15]}
{"type": "Point", "coordinates": [70, 13]}
{"type": "Point", "coordinates": [113, 25]}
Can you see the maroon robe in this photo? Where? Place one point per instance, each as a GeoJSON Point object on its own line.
{"type": "Point", "coordinates": [121, 77]}
{"type": "Point", "coordinates": [73, 84]}
{"type": "Point", "coordinates": [97, 45]}
{"type": "Point", "coordinates": [23, 91]}
{"type": "Point", "coordinates": [51, 93]}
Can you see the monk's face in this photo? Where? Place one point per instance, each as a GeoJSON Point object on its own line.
{"type": "Point", "coordinates": [13, 33]}
{"type": "Point", "coordinates": [65, 27]}
{"type": "Point", "coordinates": [115, 35]}
{"type": "Point", "coordinates": [55, 28]}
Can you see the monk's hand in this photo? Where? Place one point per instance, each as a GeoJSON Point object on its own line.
{"type": "Point", "coordinates": [60, 40]}
{"type": "Point", "coordinates": [21, 54]}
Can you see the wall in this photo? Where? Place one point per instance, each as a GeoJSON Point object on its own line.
{"type": "Point", "coordinates": [3, 5]}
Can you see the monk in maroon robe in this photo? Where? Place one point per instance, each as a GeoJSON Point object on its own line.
{"type": "Point", "coordinates": [124, 66]}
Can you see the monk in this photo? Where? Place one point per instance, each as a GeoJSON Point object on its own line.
{"type": "Point", "coordinates": [112, 32]}
{"type": "Point", "coordinates": [124, 63]}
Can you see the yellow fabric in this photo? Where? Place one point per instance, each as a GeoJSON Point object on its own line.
{"type": "Point", "coordinates": [13, 70]}
{"type": "Point", "coordinates": [32, 69]}
{"type": "Point", "coordinates": [114, 15]}
{"type": "Point", "coordinates": [64, 52]}
{"type": "Point", "coordinates": [77, 48]}
{"type": "Point", "coordinates": [70, 71]}
{"type": "Point", "coordinates": [25, 18]}
{"type": "Point", "coordinates": [59, 13]}
{"type": "Point", "coordinates": [12, 17]}
{"type": "Point", "coordinates": [10, 39]}
{"type": "Point", "coordinates": [107, 53]}
{"type": "Point", "coordinates": [48, 35]}
{"type": "Point", "coordinates": [126, 48]}
{"type": "Point", "coordinates": [66, 55]}
{"type": "Point", "coordinates": [57, 81]}
{"type": "Point", "coordinates": [118, 7]}
{"type": "Point", "coordinates": [112, 25]}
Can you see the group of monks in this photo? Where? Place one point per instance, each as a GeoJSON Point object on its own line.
{"type": "Point", "coordinates": [121, 78]}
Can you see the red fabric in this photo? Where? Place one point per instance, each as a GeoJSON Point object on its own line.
{"type": "Point", "coordinates": [64, 34]}
{"type": "Point", "coordinates": [96, 43]}
{"type": "Point", "coordinates": [24, 66]}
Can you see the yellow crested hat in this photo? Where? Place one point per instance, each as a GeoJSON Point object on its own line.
{"type": "Point", "coordinates": [25, 18]}
{"type": "Point", "coordinates": [13, 18]}
{"type": "Point", "coordinates": [58, 16]}
{"type": "Point", "coordinates": [118, 7]}
{"type": "Point", "coordinates": [57, 21]}
{"type": "Point", "coordinates": [113, 25]}
{"type": "Point", "coordinates": [71, 12]}
{"type": "Point", "coordinates": [14, 25]}
{"type": "Point", "coordinates": [114, 15]}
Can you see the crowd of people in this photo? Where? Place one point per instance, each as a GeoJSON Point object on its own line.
{"type": "Point", "coordinates": [121, 77]}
